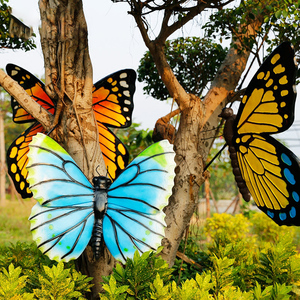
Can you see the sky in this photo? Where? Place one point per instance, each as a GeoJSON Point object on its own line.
{"type": "Point", "coordinates": [114, 43]}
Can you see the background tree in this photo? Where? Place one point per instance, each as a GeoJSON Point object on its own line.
{"type": "Point", "coordinates": [68, 80]}
{"type": "Point", "coordinates": [195, 62]}
{"type": "Point", "coordinates": [136, 140]}
{"type": "Point", "coordinates": [250, 25]}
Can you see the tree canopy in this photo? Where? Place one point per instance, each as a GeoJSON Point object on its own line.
{"type": "Point", "coordinates": [6, 38]}
{"type": "Point", "coordinates": [193, 60]}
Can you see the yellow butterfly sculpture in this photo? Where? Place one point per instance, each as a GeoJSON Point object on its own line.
{"type": "Point", "coordinates": [263, 167]}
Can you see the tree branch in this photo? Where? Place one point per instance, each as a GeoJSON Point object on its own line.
{"type": "Point", "coordinates": [228, 75]}
{"type": "Point", "coordinates": [166, 31]}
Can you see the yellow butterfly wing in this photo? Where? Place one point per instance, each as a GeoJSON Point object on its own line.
{"type": "Point", "coordinates": [270, 170]}
{"type": "Point", "coordinates": [269, 101]}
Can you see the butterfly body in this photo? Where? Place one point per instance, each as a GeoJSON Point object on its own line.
{"type": "Point", "coordinates": [71, 212]}
{"type": "Point", "coordinates": [270, 171]}
{"type": "Point", "coordinates": [228, 132]}
{"type": "Point", "coordinates": [101, 185]}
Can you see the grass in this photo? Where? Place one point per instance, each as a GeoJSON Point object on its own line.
{"type": "Point", "coordinates": [14, 224]}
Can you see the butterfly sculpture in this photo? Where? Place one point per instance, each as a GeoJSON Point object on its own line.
{"type": "Point", "coordinates": [112, 106]}
{"type": "Point", "coordinates": [71, 212]}
{"type": "Point", "coordinates": [263, 167]}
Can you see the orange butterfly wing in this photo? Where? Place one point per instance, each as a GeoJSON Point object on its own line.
{"type": "Point", "coordinates": [17, 159]}
{"type": "Point", "coordinates": [34, 87]}
{"type": "Point", "coordinates": [113, 106]}
{"type": "Point", "coordinates": [17, 152]}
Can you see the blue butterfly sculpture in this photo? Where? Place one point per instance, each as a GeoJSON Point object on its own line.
{"type": "Point", "coordinates": [262, 166]}
{"type": "Point", "coordinates": [71, 212]}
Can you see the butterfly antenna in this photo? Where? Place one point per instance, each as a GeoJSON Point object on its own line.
{"type": "Point", "coordinates": [107, 173]}
{"type": "Point", "coordinates": [49, 132]}
{"type": "Point", "coordinates": [211, 161]}
{"type": "Point", "coordinates": [97, 170]}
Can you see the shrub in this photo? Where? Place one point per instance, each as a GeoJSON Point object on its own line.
{"type": "Point", "coordinates": [138, 274]}
{"type": "Point", "coordinates": [231, 227]}
{"type": "Point", "coordinates": [28, 274]}
{"type": "Point", "coordinates": [267, 230]}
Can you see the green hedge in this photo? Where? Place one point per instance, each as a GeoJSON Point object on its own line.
{"type": "Point", "coordinates": [239, 258]}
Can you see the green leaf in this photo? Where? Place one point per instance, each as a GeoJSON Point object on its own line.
{"type": "Point", "coordinates": [278, 14]}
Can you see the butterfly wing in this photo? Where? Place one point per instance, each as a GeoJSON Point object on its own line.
{"type": "Point", "coordinates": [62, 221]}
{"type": "Point", "coordinates": [134, 219]}
{"type": "Point", "coordinates": [17, 159]}
{"type": "Point", "coordinates": [112, 98]}
{"type": "Point", "coordinates": [34, 88]}
{"type": "Point", "coordinates": [272, 175]}
{"type": "Point", "coordinates": [17, 152]}
{"type": "Point", "coordinates": [113, 106]}
{"type": "Point", "coordinates": [114, 152]}
{"type": "Point", "coordinates": [270, 171]}
{"type": "Point", "coordinates": [269, 101]}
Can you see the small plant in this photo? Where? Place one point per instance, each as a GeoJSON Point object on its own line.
{"type": "Point", "coordinates": [28, 274]}
{"type": "Point", "coordinates": [279, 264]}
{"type": "Point", "coordinates": [139, 273]}
{"type": "Point", "coordinates": [12, 285]}
{"type": "Point", "coordinates": [60, 284]}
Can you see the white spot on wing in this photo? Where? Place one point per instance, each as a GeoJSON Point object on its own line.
{"type": "Point", "coordinates": [123, 75]}
{"type": "Point", "coordinates": [124, 84]}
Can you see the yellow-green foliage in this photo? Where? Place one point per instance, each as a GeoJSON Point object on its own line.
{"type": "Point", "coordinates": [25, 273]}
{"type": "Point", "coordinates": [217, 283]}
{"type": "Point", "coordinates": [243, 259]}
{"type": "Point", "coordinates": [57, 283]}
{"type": "Point", "coordinates": [234, 227]}
{"type": "Point", "coordinates": [267, 230]}
{"type": "Point", "coordinates": [138, 275]}
{"type": "Point", "coordinates": [12, 285]}
{"type": "Point", "coordinates": [256, 256]}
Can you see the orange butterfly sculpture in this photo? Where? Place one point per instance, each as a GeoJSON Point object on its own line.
{"type": "Point", "coordinates": [112, 106]}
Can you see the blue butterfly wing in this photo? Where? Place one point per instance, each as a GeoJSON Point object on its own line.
{"type": "Point", "coordinates": [134, 219]}
{"type": "Point", "coordinates": [62, 221]}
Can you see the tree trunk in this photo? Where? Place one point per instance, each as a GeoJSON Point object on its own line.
{"type": "Point", "coordinates": [191, 143]}
{"type": "Point", "coordinates": [68, 77]}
